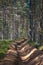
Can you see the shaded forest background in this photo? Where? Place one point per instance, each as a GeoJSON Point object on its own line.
{"type": "Point", "coordinates": [21, 19]}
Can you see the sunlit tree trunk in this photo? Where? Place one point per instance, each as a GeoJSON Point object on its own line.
{"type": "Point", "coordinates": [5, 24]}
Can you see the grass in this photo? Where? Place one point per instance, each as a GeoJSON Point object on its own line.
{"type": "Point", "coordinates": [4, 46]}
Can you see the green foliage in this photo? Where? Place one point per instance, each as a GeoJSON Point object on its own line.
{"type": "Point", "coordinates": [2, 55]}
{"type": "Point", "coordinates": [23, 7]}
{"type": "Point", "coordinates": [4, 46]}
{"type": "Point", "coordinates": [34, 43]}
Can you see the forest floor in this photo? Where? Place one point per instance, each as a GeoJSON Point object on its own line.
{"type": "Point", "coordinates": [5, 45]}
{"type": "Point", "coordinates": [1, 60]}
